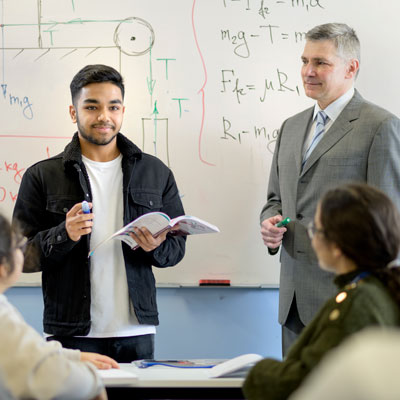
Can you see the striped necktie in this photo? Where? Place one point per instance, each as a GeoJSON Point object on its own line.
{"type": "Point", "coordinates": [322, 119]}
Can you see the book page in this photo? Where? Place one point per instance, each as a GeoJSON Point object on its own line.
{"type": "Point", "coordinates": [155, 222]}
{"type": "Point", "coordinates": [234, 364]}
{"type": "Point", "coordinates": [189, 225]}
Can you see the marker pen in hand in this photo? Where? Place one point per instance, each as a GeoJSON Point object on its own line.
{"type": "Point", "coordinates": [85, 207]}
{"type": "Point", "coordinates": [283, 223]}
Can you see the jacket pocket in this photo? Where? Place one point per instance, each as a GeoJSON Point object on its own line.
{"type": "Point", "coordinates": [61, 204]}
{"type": "Point", "coordinates": [145, 201]}
{"type": "Point", "coordinates": [57, 206]}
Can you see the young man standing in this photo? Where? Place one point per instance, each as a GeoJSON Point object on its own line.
{"type": "Point", "coordinates": [105, 303]}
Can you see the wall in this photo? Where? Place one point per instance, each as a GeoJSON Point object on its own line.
{"type": "Point", "coordinates": [196, 322]}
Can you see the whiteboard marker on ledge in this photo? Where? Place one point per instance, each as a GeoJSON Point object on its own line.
{"type": "Point", "coordinates": [214, 282]}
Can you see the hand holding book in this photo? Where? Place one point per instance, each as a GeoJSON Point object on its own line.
{"type": "Point", "coordinates": [145, 239]}
{"type": "Point", "coordinates": [158, 222]}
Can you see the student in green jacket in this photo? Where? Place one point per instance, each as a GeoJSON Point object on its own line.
{"type": "Point", "coordinates": [356, 235]}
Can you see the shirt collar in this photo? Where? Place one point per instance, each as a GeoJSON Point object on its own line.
{"type": "Point", "coordinates": [344, 279]}
{"type": "Point", "coordinates": [335, 108]}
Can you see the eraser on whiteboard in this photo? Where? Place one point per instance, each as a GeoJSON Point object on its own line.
{"type": "Point", "coordinates": [214, 282]}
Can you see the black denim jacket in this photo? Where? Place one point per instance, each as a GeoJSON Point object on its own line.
{"type": "Point", "coordinates": [49, 189]}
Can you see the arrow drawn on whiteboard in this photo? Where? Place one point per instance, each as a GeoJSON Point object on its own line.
{"type": "Point", "coordinates": [150, 81]}
{"type": "Point", "coordinates": [201, 89]}
{"type": "Point", "coordinates": [155, 113]}
{"type": "Point", "coordinates": [75, 21]}
{"type": "Point", "coordinates": [52, 24]}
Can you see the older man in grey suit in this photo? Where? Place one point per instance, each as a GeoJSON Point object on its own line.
{"type": "Point", "coordinates": [342, 138]}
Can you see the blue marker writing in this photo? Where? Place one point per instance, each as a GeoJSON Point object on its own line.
{"type": "Point", "coordinates": [85, 207]}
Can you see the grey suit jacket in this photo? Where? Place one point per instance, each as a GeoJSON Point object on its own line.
{"type": "Point", "coordinates": [363, 144]}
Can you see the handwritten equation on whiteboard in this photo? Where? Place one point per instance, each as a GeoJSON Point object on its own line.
{"type": "Point", "coordinates": [14, 100]}
{"type": "Point", "coordinates": [13, 173]}
{"type": "Point", "coordinates": [13, 166]}
{"type": "Point", "coordinates": [240, 72]}
{"type": "Point", "coordinates": [258, 77]}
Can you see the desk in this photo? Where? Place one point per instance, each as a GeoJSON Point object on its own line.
{"type": "Point", "coordinates": [161, 382]}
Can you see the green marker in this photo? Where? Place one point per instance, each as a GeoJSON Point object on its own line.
{"type": "Point", "coordinates": [283, 223]}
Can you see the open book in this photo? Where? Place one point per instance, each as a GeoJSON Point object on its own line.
{"type": "Point", "coordinates": [157, 222]}
{"type": "Point", "coordinates": [146, 363]}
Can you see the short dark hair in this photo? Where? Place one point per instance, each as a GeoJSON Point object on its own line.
{"type": "Point", "coordinates": [365, 224]}
{"type": "Point", "coordinates": [96, 73]}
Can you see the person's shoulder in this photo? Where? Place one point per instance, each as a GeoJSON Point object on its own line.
{"type": "Point", "coordinates": [3, 302]}
{"type": "Point", "coordinates": [153, 161]}
{"type": "Point", "coordinates": [370, 296]}
{"type": "Point", "coordinates": [9, 315]}
{"type": "Point", "coordinates": [302, 116]}
{"type": "Point", "coordinates": [52, 159]}
{"type": "Point", "coordinates": [370, 286]}
{"type": "Point", "coordinates": [132, 151]}
{"type": "Point", "coordinates": [356, 293]}
{"type": "Point", "coordinates": [46, 164]}
{"type": "Point", "coordinates": [376, 113]}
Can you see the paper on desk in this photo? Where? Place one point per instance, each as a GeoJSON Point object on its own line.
{"type": "Point", "coordinates": [117, 376]}
{"type": "Point", "coordinates": [235, 367]}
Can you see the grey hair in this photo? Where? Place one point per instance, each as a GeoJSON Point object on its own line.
{"type": "Point", "coordinates": [344, 38]}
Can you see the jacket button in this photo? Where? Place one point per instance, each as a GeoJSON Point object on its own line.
{"type": "Point", "coordinates": [59, 238]}
{"type": "Point", "coordinates": [151, 202]}
{"type": "Point", "coordinates": [334, 315]}
{"type": "Point", "coordinates": [65, 209]}
{"type": "Point", "coordinates": [299, 217]}
{"type": "Point", "coordinates": [341, 297]}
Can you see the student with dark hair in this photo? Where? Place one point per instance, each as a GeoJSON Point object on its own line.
{"type": "Point", "coordinates": [105, 303]}
{"type": "Point", "coordinates": [95, 74]}
{"type": "Point", "coordinates": [356, 235]}
{"type": "Point", "coordinates": [29, 366]}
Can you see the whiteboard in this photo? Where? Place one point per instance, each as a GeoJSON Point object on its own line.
{"type": "Point", "coordinates": [208, 84]}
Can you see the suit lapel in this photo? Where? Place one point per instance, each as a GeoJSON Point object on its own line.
{"type": "Point", "coordinates": [305, 121]}
{"type": "Point", "coordinates": [339, 128]}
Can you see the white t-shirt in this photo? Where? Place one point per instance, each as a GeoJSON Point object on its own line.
{"type": "Point", "coordinates": [111, 310]}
